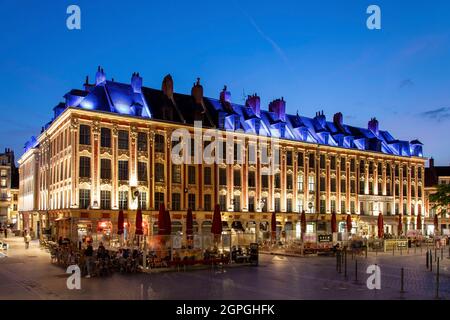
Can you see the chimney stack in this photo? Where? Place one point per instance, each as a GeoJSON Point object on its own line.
{"type": "Point", "coordinates": [225, 95]}
{"type": "Point", "coordinates": [136, 82]}
{"type": "Point", "coordinates": [373, 126]}
{"type": "Point", "coordinates": [431, 162]}
{"type": "Point", "coordinates": [254, 102]}
{"type": "Point", "coordinates": [338, 119]}
{"type": "Point", "coordinates": [278, 107]}
{"type": "Point", "coordinates": [197, 92]}
{"type": "Point", "coordinates": [100, 77]}
{"type": "Point", "coordinates": [167, 86]}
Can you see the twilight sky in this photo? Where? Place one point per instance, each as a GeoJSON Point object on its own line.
{"type": "Point", "coordinates": [318, 55]}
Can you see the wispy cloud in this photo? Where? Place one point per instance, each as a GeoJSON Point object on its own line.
{"type": "Point", "coordinates": [439, 114]}
{"type": "Point", "coordinates": [406, 83]}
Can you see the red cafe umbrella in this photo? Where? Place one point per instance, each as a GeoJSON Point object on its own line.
{"type": "Point", "coordinates": [400, 224]}
{"type": "Point", "coordinates": [120, 221]}
{"type": "Point", "coordinates": [139, 230]}
{"type": "Point", "coordinates": [189, 223]}
{"type": "Point", "coordinates": [303, 222]}
{"type": "Point", "coordinates": [216, 227]}
{"type": "Point", "coordinates": [436, 223]}
{"type": "Point", "coordinates": [380, 225]}
{"type": "Point", "coordinates": [419, 222]}
{"type": "Point", "coordinates": [273, 225]}
{"type": "Point", "coordinates": [168, 223]}
{"type": "Point", "coordinates": [161, 221]}
{"type": "Point", "coordinates": [349, 223]}
{"type": "Point", "coordinates": [333, 223]}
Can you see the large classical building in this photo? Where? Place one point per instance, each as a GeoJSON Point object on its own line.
{"type": "Point", "coordinates": [111, 141]}
{"type": "Point", "coordinates": [9, 188]}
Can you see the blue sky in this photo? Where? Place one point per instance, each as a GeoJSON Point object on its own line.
{"type": "Point", "coordinates": [318, 55]}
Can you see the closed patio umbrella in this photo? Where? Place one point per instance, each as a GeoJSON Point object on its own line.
{"type": "Point", "coordinates": [120, 222]}
{"type": "Point", "coordinates": [349, 223]}
{"type": "Point", "coordinates": [273, 225]}
{"type": "Point", "coordinates": [333, 222]}
{"type": "Point", "coordinates": [419, 222]}
{"type": "Point", "coordinates": [303, 222]}
{"type": "Point", "coordinates": [216, 227]}
{"type": "Point", "coordinates": [139, 230]}
{"type": "Point", "coordinates": [400, 225]}
{"type": "Point", "coordinates": [161, 221]}
{"type": "Point", "coordinates": [380, 225]}
{"type": "Point", "coordinates": [168, 223]}
{"type": "Point", "coordinates": [189, 223]}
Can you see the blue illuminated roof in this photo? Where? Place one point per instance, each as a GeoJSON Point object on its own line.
{"type": "Point", "coordinates": [135, 100]}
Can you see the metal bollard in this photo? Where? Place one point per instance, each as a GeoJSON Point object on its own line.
{"type": "Point", "coordinates": [428, 260]}
{"type": "Point", "coordinates": [356, 270]}
{"type": "Point", "coordinates": [393, 249]}
{"type": "Point", "coordinates": [435, 254]}
{"type": "Point", "coordinates": [431, 261]}
{"type": "Point", "coordinates": [337, 261]}
{"type": "Point", "coordinates": [402, 276]}
{"type": "Point", "coordinates": [437, 279]}
{"type": "Point", "coordinates": [345, 263]}
{"type": "Point", "coordinates": [442, 253]}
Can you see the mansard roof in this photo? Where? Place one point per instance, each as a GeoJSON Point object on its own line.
{"type": "Point", "coordinates": [136, 100]}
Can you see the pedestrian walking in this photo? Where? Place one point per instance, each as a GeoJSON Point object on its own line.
{"type": "Point", "coordinates": [27, 240]}
{"type": "Point", "coordinates": [88, 253]}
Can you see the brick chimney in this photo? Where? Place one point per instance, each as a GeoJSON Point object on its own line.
{"type": "Point", "coordinates": [278, 107]}
{"type": "Point", "coordinates": [338, 119]}
{"type": "Point", "coordinates": [254, 102]}
{"type": "Point", "coordinates": [373, 126]}
{"type": "Point", "coordinates": [167, 86]}
{"type": "Point", "coordinates": [431, 162]}
{"type": "Point", "coordinates": [100, 76]}
{"type": "Point", "coordinates": [197, 92]}
{"type": "Point", "coordinates": [136, 83]}
{"type": "Point", "coordinates": [225, 95]}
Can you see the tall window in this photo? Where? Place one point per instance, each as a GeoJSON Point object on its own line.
{"type": "Point", "coordinates": [311, 183]}
{"type": "Point", "coordinates": [343, 165]}
{"type": "Point", "coordinates": [105, 138]}
{"type": "Point", "coordinates": [322, 161]}
{"type": "Point", "coordinates": [352, 165]}
{"type": "Point", "coordinates": [264, 181]}
{"type": "Point", "coordinates": [237, 178]}
{"type": "Point", "coordinates": [251, 204]}
{"type": "Point", "coordinates": [159, 143]}
{"type": "Point", "coordinates": [85, 167]}
{"type": "Point", "coordinates": [277, 204]}
{"type": "Point", "coordinates": [105, 200]}
{"type": "Point", "coordinates": [352, 207]}
{"type": "Point", "coordinates": [123, 140]}
{"type": "Point", "coordinates": [264, 204]}
{"type": "Point", "coordinates": [289, 158]}
{"type": "Point", "coordinates": [142, 141]}
{"type": "Point", "coordinates": [333, 163]}
{"type": "Point", "coordinates": [143, 200]}
{"type": "Point", "coordinates": [176, 173]}
{"type": "Point", "coordinates": [322, 183]}
{"type": "Point", "coordinates": [237, 203]}
{"type": "Point", "coordinates": [85, 134]}
{"type": "Point", "coordinates": [142, 171]}
{"type": "Point", "coordinates": [300, 183]}
{"type": "Point", "coordinates": [333, 205]}
{"type": "Point", "coordinates": [322, 206]}
{"type": "Point", "coordinates": [343, 206]}
{"type": "Point", "coordinates": [105, 169]}
{"type": "Point", "coordinates": [251, 179]}
{"type": "Point", "coordinates": [300, 159]}
{"type": "Point", "coordinates": [289, 205]}
{"type": "Point", "coordinates": [312, 161]}
{"type": "Point", "coordinates": [207, 176]}
{"type": "Point", "coordinates": [223, 202]}
{"type": "Point", "coordinates": [191, 201]}
{"type": "Point", "coordinates": [289, 182]}
{"type": "Point", "coordinates": [191, 175]}
{"type": "Point", "coordinates": [159, 172]}
{"type": "Point", "coordinates": [222, 176]}
{"type": "Point", "coordinates": [362, 168]}
{"type": "Point", "coordinates": [277, 180]}
{"type": "Point", "coordinates": [343, 185]}
{"type": "Point", "coordinates": [207, 202]}
{"type": "Point", "coordinates": [333, 185]}
{"type": "Point", "coordinates": [362, 186]}
{"type": "Point", "coordinates": [159, 199]}
{"type": "Point", "coordinates": [251, 154]}
{"type": "Point", "coordinates": [123, 170]}
{"type": "Point", "coordinates": [176, 201]}
{"type": "Point", "coordinates": [85, 198]}
{"type": "Point", "coordinates": [405, 189]}
{"type": "Point", "coordinates": [123, 200]}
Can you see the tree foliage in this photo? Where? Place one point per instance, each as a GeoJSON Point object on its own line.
{"type": "Point", "coordinates": [441, 199]}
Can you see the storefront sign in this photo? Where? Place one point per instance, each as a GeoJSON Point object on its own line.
{"type": "Point", "coordinates": [310, 237]}
{"type": "Point", "coordinates": [325, 238]}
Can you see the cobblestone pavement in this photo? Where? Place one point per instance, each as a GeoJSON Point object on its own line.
{"type": "Point", "coordinates": [28, 274]}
